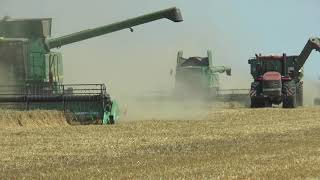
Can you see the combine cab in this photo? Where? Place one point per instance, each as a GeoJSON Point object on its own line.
{"type": "Point", "coordinates": [278, 79]}
{"type": "Point", "coordinates": [31, 75]}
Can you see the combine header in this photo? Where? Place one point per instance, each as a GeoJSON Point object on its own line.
{"type": "Point", "coordinates": [31, 75]}
{"type": "Point", "coordinates": [278, 79]}
{"type": "Point", "coordinates": [83, 103]}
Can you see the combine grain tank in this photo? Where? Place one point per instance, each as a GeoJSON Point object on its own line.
{"type": "Point", "coordinates": [32, 74]}
{"type": "Point", "coordinates": [278, 79]}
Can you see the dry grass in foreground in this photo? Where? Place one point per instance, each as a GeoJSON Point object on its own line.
{"type": "Point", "coordinates": [233, 143]}
{"type": "Point", "coordinates": [31, 119]}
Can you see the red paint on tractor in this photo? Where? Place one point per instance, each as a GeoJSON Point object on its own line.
{"type": "Point", "coordinates": [259, 79]}
{"type": "Point", "coordinates": [271, 58]}
{"type": "Point", "coordinates": [271, 76]}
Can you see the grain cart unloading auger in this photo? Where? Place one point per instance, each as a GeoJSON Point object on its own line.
{"type": "Point", "coordinates": [278, 79]}
{"type": "Point", "coordinates": [31, 74]}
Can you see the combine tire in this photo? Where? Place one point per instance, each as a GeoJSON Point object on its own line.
{"type": "Point", "coordinates": [111, 120]}
{"type": "Point", "coordinates": [299, 94]}
{"type": "Point", "coordinates": [289, 95]}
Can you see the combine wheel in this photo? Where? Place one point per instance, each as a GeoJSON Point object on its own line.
{"type": "Point", "coordinates": [111, 120]}
{"type": "Point", "coordinates": [289, 96]}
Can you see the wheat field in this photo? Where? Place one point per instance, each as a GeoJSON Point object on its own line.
{"type": "Point", "coordinates": [235, 143]}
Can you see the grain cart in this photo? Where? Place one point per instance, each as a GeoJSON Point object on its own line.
{"type": "Point", "coordinates": [197, 76]}
{"type": "Point", "coordinates": [31, 75]}
{"type": "Point", "coordinates": [278, 79]}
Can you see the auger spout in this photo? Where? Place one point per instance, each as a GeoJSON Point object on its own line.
{"type": "Point", "coordinates": [313, 43]}
{"type": "Point", "coordinates": [172, 14]}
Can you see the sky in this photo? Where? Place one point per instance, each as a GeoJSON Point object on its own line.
{"type": "Point", "coordinates": [141, 61]}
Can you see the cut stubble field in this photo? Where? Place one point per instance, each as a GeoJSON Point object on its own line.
{"type": "Point", "coordinates": [224, 143]}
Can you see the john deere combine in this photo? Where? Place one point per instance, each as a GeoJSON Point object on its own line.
{"type": "Point", "coordinates": [199, 77]}
{"type": "Point", "coordinates": [31, 75]}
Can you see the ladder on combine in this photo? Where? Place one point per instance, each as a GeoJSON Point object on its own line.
{"type": "Point", "coordinates": [82, 103]}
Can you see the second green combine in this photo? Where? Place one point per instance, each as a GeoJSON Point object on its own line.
{"type": "Point", "coordinates": [198, 77]}
{"type": "Point", "coordinates": [31, 75]}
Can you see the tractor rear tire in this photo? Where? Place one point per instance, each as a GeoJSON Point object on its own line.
{"type": "Point", "coordinates": [300, 94]}
{"type": "Point", "coordinates": [290, 96]}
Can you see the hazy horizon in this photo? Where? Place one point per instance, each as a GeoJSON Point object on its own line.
{"type": "Point", "coordinates": [141, 61]}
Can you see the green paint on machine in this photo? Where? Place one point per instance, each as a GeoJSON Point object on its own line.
{"type": "Point", "coordinates": [198, 77]}
{"type": "Point", "coordinates": [32, 75]}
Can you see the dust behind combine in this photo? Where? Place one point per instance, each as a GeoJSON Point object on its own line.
{"type": "Point", "coordinates": [233, 143]}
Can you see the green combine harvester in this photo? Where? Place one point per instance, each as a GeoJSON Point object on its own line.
{"type": "Point", "coordinates": [198, 77]}
{"type": "Point", "coordinates": [31, 75]}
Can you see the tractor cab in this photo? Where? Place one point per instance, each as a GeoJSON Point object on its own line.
{"type": "Point", "coordinates": [284, 65]}
{"type": "Point", "coordinates": [271, 63]}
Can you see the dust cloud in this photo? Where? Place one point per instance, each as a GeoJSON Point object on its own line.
{"type": "Point", "coordinates": [310, 92]}
{"type": "Point", "coordinates": [138, 64]}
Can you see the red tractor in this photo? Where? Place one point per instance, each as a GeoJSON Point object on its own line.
{"type": "Point", "coordinates": [278, 79]}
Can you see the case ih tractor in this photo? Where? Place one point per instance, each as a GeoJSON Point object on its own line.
{"type": "Point", "coordinates": [278, 79]}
